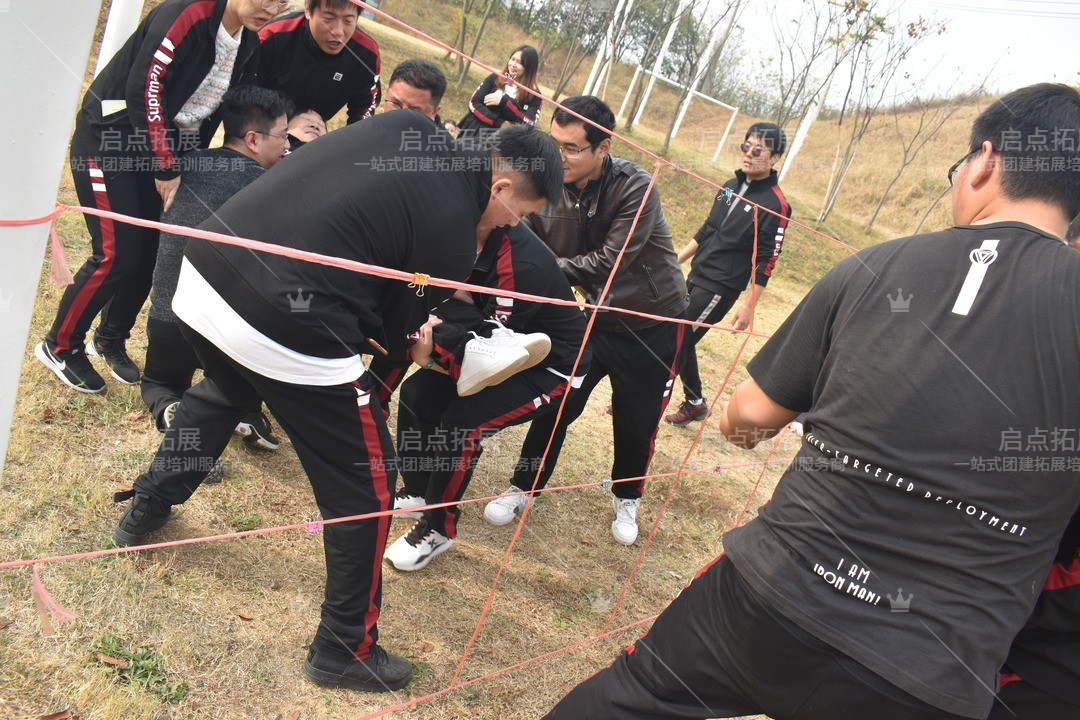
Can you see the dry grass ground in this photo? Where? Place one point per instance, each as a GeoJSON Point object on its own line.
{"type": "Point", "coordinates": [231, 619]}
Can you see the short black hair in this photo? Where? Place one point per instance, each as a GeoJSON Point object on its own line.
{"type": "Point", "coordinates": [251, 107]}
{"type": "Point", "coordinates": [772, 135]}
{"type": "Point", "coordinates": [422, 75]}
{"type": "Point", "coordinates": [591, 107]}
{"type": "Point", "coordinates": [313, 5]}
{"type": "Point", "coordinates": [530, 154]}
{"type": "Point", "coordinates": [1035, 131]}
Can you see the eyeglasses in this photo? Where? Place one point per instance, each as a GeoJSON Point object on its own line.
{"type": "Point", "coordinates": [279, 137]}
{"type": "Point", "coordinates": [275, 6]}
{"type": "Point", "coordinates": [574, 150]}
{"type": "Point", "coordinates": [956, 165]}
{"type": "Point", "coordinates": [754, 151]}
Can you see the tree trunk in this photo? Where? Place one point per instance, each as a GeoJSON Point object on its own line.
{"type": "Point", "coordinates": [476, 42]}
{"type": "Point", "coordinates": [930, 209]}
{"type": "Point", "coordinates": [888, 189]}
{"type": "Point", "coordinates": [459, 41]}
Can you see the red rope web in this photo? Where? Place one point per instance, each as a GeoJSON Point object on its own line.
{"type": "Point", "coordinates": [46, 602]}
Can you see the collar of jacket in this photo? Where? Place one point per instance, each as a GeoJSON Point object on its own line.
{"type": "Point", "coordinates": [772, 179]}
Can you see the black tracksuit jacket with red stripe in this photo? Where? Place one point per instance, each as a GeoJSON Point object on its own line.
{"type": "Point", "coordinates": [159, 67]}
{"type": "Point", "coordinates": [726, 240]}
{"type": "Point", "coordinates": [1046, 652]}
{"type": "Point", "coordinates": [525, 108]}
{"type": "Point", "coordinates": [290, 61]}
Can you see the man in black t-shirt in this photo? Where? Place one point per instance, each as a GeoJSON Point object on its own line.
{"type": "Point", "coordinates": [906, 544]}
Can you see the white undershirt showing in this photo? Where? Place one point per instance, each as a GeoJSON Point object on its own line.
{"type": "Point", "coordinates": [206, 312]}
{"type": "Point", "coordinates": [206, 98]}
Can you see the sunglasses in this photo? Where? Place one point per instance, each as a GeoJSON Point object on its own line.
{"type": "Point", "coordinates": [752, 151]}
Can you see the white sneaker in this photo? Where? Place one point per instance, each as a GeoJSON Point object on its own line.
{"type": "Point", "coordinates": [507, 506]}
{"type": "Point", "coordinates": [537, 344]}
{"type": "Point", "coordinates": [624, 526]}
{"type": "Point", "coordinates": [415, 549]}
{"type": "Point", "coordinates": [404, 501]}
{"type": "Point", "coordinates": [797, 428]}
{"type": "Point", "coordinates": [486, 363]}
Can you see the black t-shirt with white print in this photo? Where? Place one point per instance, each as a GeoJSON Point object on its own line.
{"type": "Point", "coordinates": [940, 463]}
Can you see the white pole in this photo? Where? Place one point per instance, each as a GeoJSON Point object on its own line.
{"type": "Point", "coordinates": [727, 130]}
{"type": "Point", "coordinates": [601, 53]}
{"type": "Point", "coordinates": [124, 16]}
{"type": "Point", "coordinates": [811, 115]}
{"type": "Point", "coordinates": [705, 65]}
{"type": "Point", "coordinates": [626, 98]}
{"type": "Point", "coordinates": [658, 65]}
{"type": "Point", "coordinates": [55, 42]}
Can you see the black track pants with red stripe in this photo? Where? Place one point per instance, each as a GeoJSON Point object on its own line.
{"type": "Point", "coordinates": [115, 280]}
{"type": "Point", "coordinates": [439, 433]}
{"type": "Point", "coordinates": [719, 650]}
{"type": "Point", "coordinates": [641, 365]}
{"type": "Point", "coordinates": [705, 307]}
{"type": "Point", "coordinates": [339, 433]}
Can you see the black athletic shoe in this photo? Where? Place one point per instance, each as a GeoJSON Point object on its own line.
{"type": "Point", "coordinates": [143, 515]}
{"type": "Point", "coordinates": [122, 367]}
{"type": "Point", "coordinates": [73, 369]}
{"type": "Point", "coordinates": [216, 474]}
{"type": "Point", "coordinates": [256, 429]}
{"type": "Point", "coordinates": [381, 672]}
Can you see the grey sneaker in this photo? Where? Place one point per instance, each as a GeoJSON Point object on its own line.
{"type": "Point", "coordinates": [121, 366]}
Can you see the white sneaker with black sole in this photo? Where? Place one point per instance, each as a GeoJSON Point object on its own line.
{"type": "Point", "coordinates": [256, 429]}
{"type": "Point", "coordinates": [624, 527]}
{"type": "Point", "coordinates": [510, 503]}
{"type": "Point", "coordinates": [415, 549]}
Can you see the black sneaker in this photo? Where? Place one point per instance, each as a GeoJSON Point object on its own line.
{"type": "Point", "coordinates": [381, 672]}
{"type": "Point", "coordinates": [688, 413]}
{"type": "Point", "coordinates": [143, 515]}
{"type": "Point", "coordinates": [122, 367]}
{"type": "Point", "coordinates": [73, 369]}
{"type": "Point", "coordinates": [256, 429]}
{"type": "Point", "coordinates": [216, 474]}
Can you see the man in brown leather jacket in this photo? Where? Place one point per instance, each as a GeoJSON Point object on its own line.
{"type": "Point", "coordinates": [586, 229]}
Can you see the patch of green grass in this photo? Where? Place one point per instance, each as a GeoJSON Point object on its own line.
{"type": "Point", "coordinates": [242, 523]}
{"type": "Point", "coordinates": [142, 667]}
{"type": "Point", "coordinates": [262, 677]}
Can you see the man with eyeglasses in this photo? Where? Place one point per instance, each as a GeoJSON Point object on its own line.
{"type": "Point", "coordinates": [906, 544]}
{"type": "Point", "coordinates": [254, 120]}
{"type": "Point", "coordinates": [153, 102]}
{"type": "Point", "coordinates": [741, 238]}
{"type": "Point", "coordinates": [586, 228]}
{"type": "Point", "coordinates": [323, 61]}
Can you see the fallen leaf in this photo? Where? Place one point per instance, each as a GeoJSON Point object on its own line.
{"type": "Point", "coordinates": [242, 616]}
{"type": "Point", "coordinates": [111, 660]}
{"type": "Point", "coordinates": [74, 526]}
{"type": "Point", "coordinates": [425, 646]}
{"type": "Point", "coordinates": [294, 715]}
{"type": "Point", "coordinates": [62, 715]}
{"type": "Point", "coordinates": [4, 622]}
{"type": "Point", "coordinates": [137, 416]}
{"type": "Point", "coordinates": [47, 415]}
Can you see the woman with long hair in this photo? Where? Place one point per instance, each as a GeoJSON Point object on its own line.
{"type": "Point", "coordinates": [502, 98]}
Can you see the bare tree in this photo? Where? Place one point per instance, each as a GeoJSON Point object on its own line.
{"type": "Point", "coordinates": [930, 116]}
{"type": "Point", "coordinates": [476, 42]}
{"type": "Point", "coordinates": [803, 45]}
{"type": "Point", "coordinates": [871, 69]}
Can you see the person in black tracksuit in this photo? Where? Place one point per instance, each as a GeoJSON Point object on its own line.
{"type": "Point", "coordinates": [737, 242]}
{"type": "Point", "coordinates": [291, 332]}
{"type": "Point", "coordinates": [438, 432]}
{"type": "Point", "coordinates": [152, 102]}
{"type": "Point", "coordinates": [1041, 676]}
{"type": "Point", "coordinates": [502, 98]}
{"type": "Point", "coordinates": [323, 61]}
{"type": "Point", "coordinates": [586, 229]}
